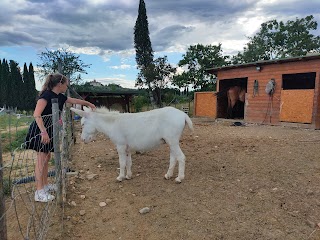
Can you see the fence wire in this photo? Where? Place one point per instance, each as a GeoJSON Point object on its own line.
{"type": "Point", "coordinates": [27, 219]}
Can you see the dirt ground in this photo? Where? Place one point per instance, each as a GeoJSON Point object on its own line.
{"type": "Point", "coordinates": [242, 182]}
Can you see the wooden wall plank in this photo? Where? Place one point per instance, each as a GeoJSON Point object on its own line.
{"type": "Point", "coordinates": [205, 104]}
{"type": "Point", "coordinates": [297, 105]}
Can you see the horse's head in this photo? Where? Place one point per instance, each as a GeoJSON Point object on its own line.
{"type": "Point", "coordinates": [89, 130]}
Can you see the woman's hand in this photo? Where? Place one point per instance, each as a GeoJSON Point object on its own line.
{"type": "Point", "coordinates": [91, 105]}
{"type": "Point", "coordinates": [45, 137]}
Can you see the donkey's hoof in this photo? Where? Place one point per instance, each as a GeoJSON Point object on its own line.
{"type": "Point", "coordinates": [119, 179]}
{"type": "Point", "coordinates": [128, 177]}
{"type": "Point", "coordinates": [178, 180]}
{"type": "Point", "coordinates": [167, 176]}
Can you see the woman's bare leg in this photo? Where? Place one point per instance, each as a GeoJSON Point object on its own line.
{"type": "Point", "coordinates": [41, 170]}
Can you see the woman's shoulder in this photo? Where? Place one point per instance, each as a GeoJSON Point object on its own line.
{"type": "Point", "coordinates": [48, 93]}
{"type": "Point", "coordinates": [62, 96]}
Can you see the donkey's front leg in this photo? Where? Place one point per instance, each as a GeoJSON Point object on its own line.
{"type": "Point", "coordinates": [122, 161]}
{"type": "Point", "coordinates": [129, 163]}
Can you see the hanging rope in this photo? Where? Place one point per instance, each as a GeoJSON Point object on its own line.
{"type": "Point", "coordinates": [255, 88]}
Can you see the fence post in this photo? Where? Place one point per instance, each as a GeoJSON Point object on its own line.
{"type": "Point", "coordinates": [65, 153]}
{"type": "Point", "coordinates": [3, 223]}
{"type": "Point", "coordinates": [56, 146]}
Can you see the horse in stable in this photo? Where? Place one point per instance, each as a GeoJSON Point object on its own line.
{"type": "Point", "coordinates": [235, 96]}
{"type": "Point", "coordinates": [236, 100]}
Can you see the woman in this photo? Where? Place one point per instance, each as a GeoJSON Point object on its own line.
{"type": "Point", "coordinates": [40, 133]}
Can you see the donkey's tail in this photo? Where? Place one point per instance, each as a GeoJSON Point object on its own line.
{"type": "Point", "coordinates": [189, 123]}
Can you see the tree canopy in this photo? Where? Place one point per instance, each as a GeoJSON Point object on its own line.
{"type": "Point", "coordinates": [163, 73]}
{"type": "Point", "coordinates": [197, 59]}
{"type": "Point", "coordinates": [70, 63]}
{"type": "Point", "coordinates": [277, 40]}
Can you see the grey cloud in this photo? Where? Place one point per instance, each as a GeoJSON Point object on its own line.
{"type": "Point", "coordinates": [166, 37]}
{"type": "Point", "coordinates": [109, 25]}
{"type": "Point", "coordinates": [9, 38]}
{"type": "Point", "coordinates": [202, 8]}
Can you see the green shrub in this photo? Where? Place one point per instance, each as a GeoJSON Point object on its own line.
{"type": "Point", "coordinates": [139, 102]}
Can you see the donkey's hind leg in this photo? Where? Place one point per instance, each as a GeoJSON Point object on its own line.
{"type": "Point", "coordinates": [176, 154]}
{"type": "Point", "coordinates": [182, 162]}
{"type": "Point", "coordinates": [173, 161]}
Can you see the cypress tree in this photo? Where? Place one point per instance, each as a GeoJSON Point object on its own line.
{"type": "Point", "coordinates": [24, 92]}
{"type": "Point", "coordinates": [15, 85]}
{"type": "Point", "coordinates": [142, 43]}
{"type": "Point", "coordinates": [1, 84]}
{"type": "Point", "coordinates": [144, 52]}
{"type": "Point", "coordinates": [4, 84]}
{"type": "Point", "coordinates": [31, 89]}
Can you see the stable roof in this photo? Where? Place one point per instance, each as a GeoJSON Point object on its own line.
{"type": "Point", "coordinates": [265, 62]}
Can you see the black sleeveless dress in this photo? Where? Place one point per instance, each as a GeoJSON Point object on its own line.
{"type": "Point", "coordinates": [33, 138]}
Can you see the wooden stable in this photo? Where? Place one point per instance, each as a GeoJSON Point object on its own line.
{"type": "Point", "coordinates": [294, 102]}
{"type": "Point", "coordinates": [120, 100]}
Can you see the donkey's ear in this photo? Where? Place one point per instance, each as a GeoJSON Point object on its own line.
{"type": "Point", "coordinates": [86, 109]}
{"type": "Point", "coordinates": [79, 112]}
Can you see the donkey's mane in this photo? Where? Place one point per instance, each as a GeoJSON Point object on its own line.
{"type": "Point", "coordinates": [105, 110]}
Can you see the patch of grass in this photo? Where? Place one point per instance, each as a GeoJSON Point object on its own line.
{"type": "Point", "coordinates": [13, 121]}
{"type": "Point", "coordinates": [13, 130]}
{"type": "Point", "coordinates": [52, 161]}
{"type": "Point", "coordinates": [11, 141]}
{"type": "Point", "coordinates": [7, 186]}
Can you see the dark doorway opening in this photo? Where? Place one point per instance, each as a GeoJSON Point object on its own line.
{"type": "Point", "coordinates": [298, 81]}
{"type": "Point", "coordinates": [229, 88]}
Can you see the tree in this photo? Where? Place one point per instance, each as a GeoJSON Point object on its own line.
{"type": "Point", "coordinates": [1, 84]}
{"type": "Point", "coordinates": [11, 81]}
{"type": "Point", "coordinates": [144, 52]}
{"type": "Point", "coordinates": [197, 59]}
{"type": "Point", "coordinates": [4, 79]}
{"type": "Point", "coordinates": [14, 84]}
{"type": "Point", "coordinates": [30, 87]}
{"type": "Point", "coordinates": [163, 73]}
{"type": "Point", "coordinates": [70, 62]}
{"type": "Point", "coordinates": [280, 40]}
{"type": "Point", "coordinates": [24, 92]}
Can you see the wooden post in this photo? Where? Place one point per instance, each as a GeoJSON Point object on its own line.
{"type": "Point", "coordinates": [3, 223]}
{"type": "Point", "coordinates": [56, 146]}
{"type": "Point", "coordinates": [65, 153]}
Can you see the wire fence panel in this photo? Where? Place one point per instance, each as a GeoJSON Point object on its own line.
{"type": "Point", "coordinates": [27, 219]}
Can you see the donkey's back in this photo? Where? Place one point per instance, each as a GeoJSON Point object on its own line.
{"type": "Point", "coordinates": [145, 130]}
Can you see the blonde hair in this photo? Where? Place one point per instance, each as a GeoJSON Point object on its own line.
{"type": "Point", "coordinates": [53, 80]}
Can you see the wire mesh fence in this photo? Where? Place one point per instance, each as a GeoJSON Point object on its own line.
{"type": "Point", "coordinates": [21, 169]}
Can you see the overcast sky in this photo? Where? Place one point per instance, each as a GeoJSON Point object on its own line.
{"type": "Point", "coordinates": [101, 31]}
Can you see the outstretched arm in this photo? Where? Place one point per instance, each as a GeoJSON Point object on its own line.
{"type": "Point", "coordinates": [81, 102]}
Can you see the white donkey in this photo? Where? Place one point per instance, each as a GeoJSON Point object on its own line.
{"type": "Point", "coordinates": [138, 131]}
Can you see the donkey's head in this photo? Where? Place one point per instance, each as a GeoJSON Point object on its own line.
{"type": "Point", "coordinates": [89, 130]}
